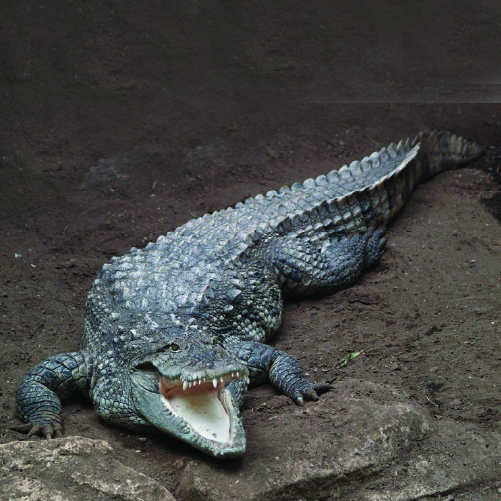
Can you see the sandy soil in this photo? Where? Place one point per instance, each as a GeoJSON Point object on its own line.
{"type": "Point", "coordinates": [123, 120]}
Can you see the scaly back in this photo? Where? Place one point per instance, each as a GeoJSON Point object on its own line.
{"type": "Point", "coordinates": [177, 269]}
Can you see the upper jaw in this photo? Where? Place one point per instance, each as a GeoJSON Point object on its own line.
{"type": "Point", "coordinates": [216, 380]}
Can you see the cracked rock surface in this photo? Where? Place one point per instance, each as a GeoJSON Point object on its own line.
{"type": "Point", "coordinates": [71, 469]}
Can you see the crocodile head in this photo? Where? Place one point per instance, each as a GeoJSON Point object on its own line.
{"type": "Point", "coordinates": [186, 388]}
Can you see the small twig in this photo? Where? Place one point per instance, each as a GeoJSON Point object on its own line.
{"type": "Point", "coordinates": [347, 359]}
{"type": "Point", "coordinates": [436, 405]}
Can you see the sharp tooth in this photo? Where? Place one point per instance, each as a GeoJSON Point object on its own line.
{"type": "Point", "coordinates": [190, 384]}
{"type": "Point", "coordinates": [185, 385]}
{"type": "Point", "coordinates": [238, 375]}
{"type": "Point", "coordinates": [232, 374]}
{"type": "Point", "coordinates": [214, 382]}
{"type": "Point", "coordinates": [221, 379]}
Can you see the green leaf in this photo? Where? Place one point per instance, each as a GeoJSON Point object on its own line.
{"type": "Point", "coordinates": [348, 358]}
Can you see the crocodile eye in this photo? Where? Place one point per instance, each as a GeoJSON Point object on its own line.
{"type": "Point", "coordinates": [173, 347]}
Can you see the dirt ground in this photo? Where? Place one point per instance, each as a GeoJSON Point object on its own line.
{"type": "Point", "coordinates": [122, 120]}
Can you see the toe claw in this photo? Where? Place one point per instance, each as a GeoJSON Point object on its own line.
{"type": "Point", "coordinates": [323, 388]}
{"type": "Point", "coordinates": [35, 430]}
{"type": "Point", "coordinates": [22, 428]}
{"type": "Point", "coordinates": [47, 431]}
{"type": "Point", "coordinates": [311, 394]}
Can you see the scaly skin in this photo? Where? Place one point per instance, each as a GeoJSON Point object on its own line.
{"type": "Point", "coordinates": [175, 332]}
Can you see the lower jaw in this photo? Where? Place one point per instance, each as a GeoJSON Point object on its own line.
{"type": "Point", "coordinates": [226, 441]}
{"type": "Point", "coordinates": [204, 409]}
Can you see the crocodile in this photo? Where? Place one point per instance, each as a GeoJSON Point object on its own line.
{"type": "Point", "coordinates": [176, 332]}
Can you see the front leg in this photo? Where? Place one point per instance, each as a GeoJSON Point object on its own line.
{"type": "Point", "coordinates": [39, 395]}
{"type": "Point", "coordinates": [283, 371]}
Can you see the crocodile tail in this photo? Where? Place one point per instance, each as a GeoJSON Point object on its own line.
{"type": "Point", "coordinates": [440, 151]}
{"type": "Point", "coordinates": [413, 162]}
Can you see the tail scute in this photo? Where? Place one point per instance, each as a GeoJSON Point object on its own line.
{"type": "Point", "coordinates": [443, 150]}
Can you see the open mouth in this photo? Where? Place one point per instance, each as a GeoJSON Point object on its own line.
{"type": "Point", "coordinates": [202, 404]}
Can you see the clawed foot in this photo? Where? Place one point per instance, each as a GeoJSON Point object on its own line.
{"type": "Point", "coordinates": [47, 431]}
{"type": "Point", "coordinates": [287, 376]}
{"type": "Point", "coordinates": [311, 393]}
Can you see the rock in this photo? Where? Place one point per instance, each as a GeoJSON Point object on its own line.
{"type": "Point", "coordinates": [366, 443]}
{"type": "Point", "coordinates": [109, 173]}
{"type": "Point", "coordinates": [460, 456]}
{"type": "Point", "coordinates": [71, 469]}
{"type": "Point", "coordinates": [353, 435]}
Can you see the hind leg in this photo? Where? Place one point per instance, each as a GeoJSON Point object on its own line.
{"type": "Point", "coordinates": [374, 247]}
{"type": "Point", "coordinates": [307, 268]}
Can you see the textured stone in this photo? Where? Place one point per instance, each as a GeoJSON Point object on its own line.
{"type": "Point", "coordinates": [354, 435]}
{"type": "Point", "coordinates": [71, 469]}
{"type": "Point", "coordinates": [462, 455]}
{"type": "Point", "coordinates": [366, 442]}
